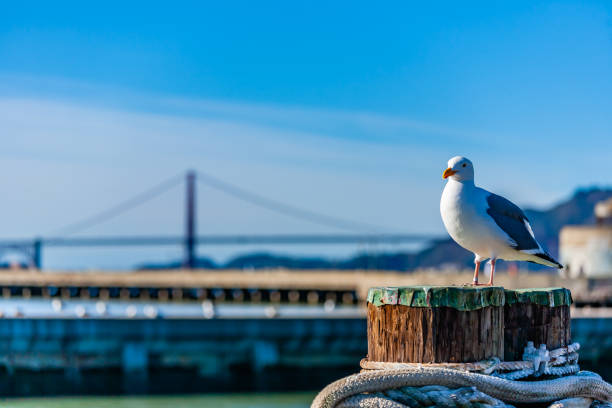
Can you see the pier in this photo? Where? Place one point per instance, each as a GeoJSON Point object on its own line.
{"type": "Point", "coordinates": [273, 285]}
{"type": "Point", "coordinates": [133, 330]}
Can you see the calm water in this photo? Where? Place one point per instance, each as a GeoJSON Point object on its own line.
{"type": "Point", "coordinates": [290, 400]}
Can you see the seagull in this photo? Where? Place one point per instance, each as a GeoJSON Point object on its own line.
{"type": "Point", "coordinates": [486, 224]}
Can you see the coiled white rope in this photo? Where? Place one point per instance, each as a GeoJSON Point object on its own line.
{"type": "Point", "coordinates": [536, 362]}
{"type": "Point", "coordinates": [392, 384]}
{"type": "Point", "coordinates": [428, 396]}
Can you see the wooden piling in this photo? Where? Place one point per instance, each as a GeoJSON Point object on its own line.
{"type": "Point", "coordinates": [538, 315]}
{"type": "Point", "coordinates": [423, 324]}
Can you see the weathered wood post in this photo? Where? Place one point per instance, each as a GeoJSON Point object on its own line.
{"type": "Point", "coordinates": [538, 315]}
{"type": "Point", "coordinates": [425, 324]}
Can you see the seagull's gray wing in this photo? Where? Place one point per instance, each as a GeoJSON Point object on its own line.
{"type": "Point", "coordinates": [512, 220]}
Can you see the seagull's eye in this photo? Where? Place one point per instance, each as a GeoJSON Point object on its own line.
{"type": "Point", "coordinates": [464, 165]}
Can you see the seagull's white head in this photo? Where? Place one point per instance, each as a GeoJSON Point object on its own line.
{"type": "Point", "coordinates": [459, 168]}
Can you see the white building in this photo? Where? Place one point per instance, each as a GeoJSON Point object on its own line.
{"type": "Point", "coordinates": [586, 250]}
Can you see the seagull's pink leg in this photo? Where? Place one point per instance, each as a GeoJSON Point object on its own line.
{"type": "Point", "coordinates": [492, 271]}
{"type": "Point", "coordinates": [476, 270]}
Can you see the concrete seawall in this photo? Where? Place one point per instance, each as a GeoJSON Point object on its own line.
{"type": "Point", "coordinates": [67, 356]}
{"type": "Point", "coordinates": [178, 355]}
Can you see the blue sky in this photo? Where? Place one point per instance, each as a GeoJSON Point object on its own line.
{"type": "Point", "coordinates": [343, 108]}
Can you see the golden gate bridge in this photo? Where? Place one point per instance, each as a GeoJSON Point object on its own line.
{"type": "Point", "coordinates": [358, 232]}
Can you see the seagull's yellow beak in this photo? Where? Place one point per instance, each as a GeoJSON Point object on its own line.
{"type": "Point", "coordinates": [448, 172]}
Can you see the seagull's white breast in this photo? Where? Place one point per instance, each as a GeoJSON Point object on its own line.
{"type": "Point", "coordinates": [464, 212]}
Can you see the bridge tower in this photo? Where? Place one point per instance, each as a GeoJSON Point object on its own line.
{"type": "Point", "coordinates": [37, 253]}
{"type": "Point", "coordinates": [190, 221]}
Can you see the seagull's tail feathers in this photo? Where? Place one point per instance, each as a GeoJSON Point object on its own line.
{"type": "Point", "coordinates": [543, 258]}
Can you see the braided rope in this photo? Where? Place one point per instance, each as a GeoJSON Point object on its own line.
{"type": "Point", "coordinates": [394, 385]}
{"type": "Point", "coordinates": [518, 369]}
{"type": "Point", "coordinates": [428, 396]}
{"type": "Point", "coordinates": [588, 386]}
{"type": "Point", "coordinates": [477, 366]}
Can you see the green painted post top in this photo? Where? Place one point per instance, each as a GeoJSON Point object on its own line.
{"type": "Point", "coordinates": [462, 298]}
{"type": "Point", "coordinates": [540, 296]}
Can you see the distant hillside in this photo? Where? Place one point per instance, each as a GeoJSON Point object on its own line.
{"type": "Point", "coordinates": [546, 226]}
{"type": "Point", "coordinates": [577, 210]}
